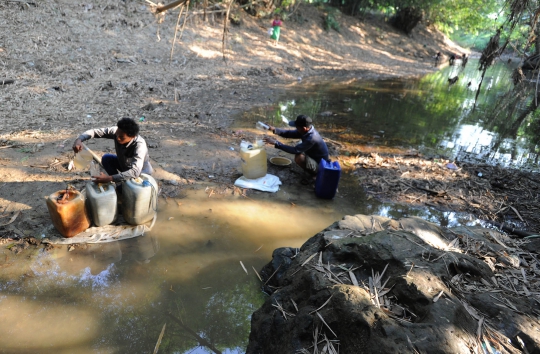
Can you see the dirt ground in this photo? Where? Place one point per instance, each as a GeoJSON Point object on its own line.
{"type": "Point", "coordinates": [505, 198]}
{"type": "Point", "coordinates": [81, 65]}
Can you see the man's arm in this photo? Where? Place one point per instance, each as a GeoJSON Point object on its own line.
{"type": "Point", "coordinates": [305, 145]}
{"type": "Point", "coordinates": [295, 150]}
{"type": "Point", "coordinates": [287, 133]}
{"type": "Point", "coordinates": [107, 133]}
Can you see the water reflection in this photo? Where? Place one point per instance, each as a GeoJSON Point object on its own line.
{"type": "Point", "coordinates": [427, 113]}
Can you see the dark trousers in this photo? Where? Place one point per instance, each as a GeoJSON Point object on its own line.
{"type": "Point", "coordinates": [112, 166]}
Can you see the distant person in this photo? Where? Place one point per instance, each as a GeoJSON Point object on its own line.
{"type": "Point", "coordinates": [464, 59]}
{"type": "Point", "coordinates": [276, 28]}
{"type": "Point", "coordinates": [438, 58]}
{"type": "Point", "coordinates": [310, 151]}
{"type": "Point", "coordinates": [452, 58]}
{"type": "Point", "coordinates": [131, 157]}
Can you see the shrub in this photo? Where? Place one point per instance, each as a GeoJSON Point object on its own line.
{"type": "Point", "coordinates": [330, 22]}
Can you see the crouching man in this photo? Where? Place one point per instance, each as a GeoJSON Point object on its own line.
{"type": "Point", "coordinates": [131, 157]}
{"type": "Point", "coordinates": [310, 151]}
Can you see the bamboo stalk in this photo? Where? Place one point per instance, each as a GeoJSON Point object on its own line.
{"type": "Point", "coordinates": [174, 37]}
{"type": "Point", "coordinates": [185, 20]}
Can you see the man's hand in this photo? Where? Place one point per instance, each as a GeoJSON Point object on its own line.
{"type": "Point", "coordinates": [271, 128]}
{"type": "Point", "coordinates": [270, 141]}
{"type": "Point", "coordinates": [103, 178]}
{"type": "Point", "coordinates": [77, 146]}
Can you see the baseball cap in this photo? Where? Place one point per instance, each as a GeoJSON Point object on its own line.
{"type": "Point", "coordinates": [301, 121]}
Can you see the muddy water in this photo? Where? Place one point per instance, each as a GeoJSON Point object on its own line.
{"type": "Point", "coordinates": [188, 273]}
{"type": "Point", "coordinates": [114, 297]}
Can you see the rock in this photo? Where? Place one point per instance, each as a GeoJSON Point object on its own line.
{"type": "Point", "coordinates": [281, 261]}
{"type": "Point", "coordinates": [172, 182]}
{"type": "Point", "coordinates": [326, 114]}
{"type": "Point", "coordinates": [254, 72]}
{"type": "Point", "coordinates": [152, 107]}
{"type": "Point", "coordinates": [378, 285]}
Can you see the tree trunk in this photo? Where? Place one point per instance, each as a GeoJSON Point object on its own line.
{"type": "Point", "coordinates": [406, 19]}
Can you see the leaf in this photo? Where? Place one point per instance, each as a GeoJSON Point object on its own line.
{"type": "Point", "coordinates": [159, 339]}
{"type": "Point", "coordinates": [353, 278]}
{"type": "Point", "coordinates": [245, 270]}
{"type": "Point", "coordinates": [436, 298]}
{"type": "Point", "coordinates": [12, 219]}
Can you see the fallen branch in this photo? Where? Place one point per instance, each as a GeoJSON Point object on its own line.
{"type": "Point", "coordinates": [11, 146]}
{"type": "Point", "coordinates": [511, 230]}
{"type": "Point", "coordinates": [199, 339]}
{"type": "Point", "coordinates": [172, 5]}
{"type": "Point", "coordinates": [23, 2]}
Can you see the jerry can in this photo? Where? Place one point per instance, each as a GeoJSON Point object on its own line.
{"type": "Point", "coordinates": [67, 211]}
{"type": "Point", "coordinates": [101, 203]}
{"type": "Point", "coordinates": [139, 199]}
{"type": "Point", "coordinates": [82, 159]}
{"type": "Point", "coordinates": [327, 180]}
{"type": "Point", "coordinates": [254, 163]}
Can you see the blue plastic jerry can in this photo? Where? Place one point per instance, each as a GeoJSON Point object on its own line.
{"type": "Point", "coordinates": [327, 180]}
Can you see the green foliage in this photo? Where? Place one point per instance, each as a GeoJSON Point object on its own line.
{"type": "Point", "coordinates": [471, 16]}
{"type": "Point", "coordinates": [286, 3]}
{"type": "Point", "coordinates": [468, 16]}
{"type": "Point", "coordinates": [519, 37]}
{"type": "Point", "coordinates": [475, 42]}
{"type": "Point", "coordinates": [329, 20]}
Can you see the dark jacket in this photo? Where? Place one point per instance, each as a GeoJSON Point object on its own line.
{"type": "Point", "coordinates": [312, 144]}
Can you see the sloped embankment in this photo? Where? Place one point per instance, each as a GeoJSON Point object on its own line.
{"type": "Point", "coordinates": [369, 284]}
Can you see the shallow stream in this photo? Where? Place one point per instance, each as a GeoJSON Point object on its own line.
{"type": "Point", "coordinates": [197, 266]}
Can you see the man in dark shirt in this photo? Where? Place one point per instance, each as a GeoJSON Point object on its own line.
{"type": "Point", "coordinates": [131, 157]}
{"type": "Point", "coordinates": [310, 151]}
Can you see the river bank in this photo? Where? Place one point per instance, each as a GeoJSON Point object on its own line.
{"type": "Point", "coordinates": [78, 66]}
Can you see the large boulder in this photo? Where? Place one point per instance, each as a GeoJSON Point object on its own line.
{"type": "Point", "coordinates": [370, 284]}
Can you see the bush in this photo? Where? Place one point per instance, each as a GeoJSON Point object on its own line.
{"type": "Point", "coordinates": [330, 22]}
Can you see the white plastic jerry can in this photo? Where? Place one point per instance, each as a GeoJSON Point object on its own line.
{"type": "Point", "coordinates": [139, 199]}
{"type": "Point", "coordinates": [101, 203]}
{"type": "Point", "coordinates": [254, 163]}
